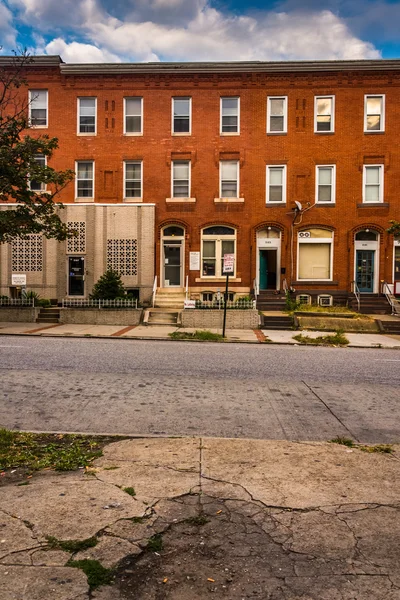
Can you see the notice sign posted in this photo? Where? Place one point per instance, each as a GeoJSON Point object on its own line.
{"type": "Point", "coordinates": [229, 263]}
{"type": "Point", "coordinates": [18, 279]}
{"type": "Point", "coordinates": [189, 304]}
{"type": "Point", "coordinates": [194, 261]}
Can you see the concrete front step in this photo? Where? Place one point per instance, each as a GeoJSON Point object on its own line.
{"type": "Point", "coordinates": [159, 316]}
{"type": "Point", "coordinates": [46, 320]}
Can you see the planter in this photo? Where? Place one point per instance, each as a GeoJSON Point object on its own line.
{"type": "Point", "coordinates": [213, 319]}
{"type": "Point", "coordinates": [103, 316]}
{"type": "Point", "coordinates": [18, 314]}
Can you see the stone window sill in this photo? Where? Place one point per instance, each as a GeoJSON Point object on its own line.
{"type": "Point", "coordinates": [373, 205]}
{"type": "Point", "coordinates": [134, 200]}
{"type": "Point", "coordinates": [84, 199]}
{"type": "Point", "coordinates": [180, 200]}
{"type": "Point", "coordinates": [217, 279]}
{"type": "Point", "coordinates": [228, 200]}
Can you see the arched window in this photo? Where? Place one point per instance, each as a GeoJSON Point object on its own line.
{"type": "Point", "coordinates": [366, 235]}
{"type": "Point", "coordinates": [217, 240]}
{"type": "Point", "coordinates": [173, 231]}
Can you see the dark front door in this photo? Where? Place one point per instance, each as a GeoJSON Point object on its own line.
{"type": "Point", "coordinates": [76, 276]}
{"type": "Point", "coordinates": [172, 265]}
{"type": "Point", "coordinates": [365, 260]}
{"type": "Point", "coordinates": [268, 269]}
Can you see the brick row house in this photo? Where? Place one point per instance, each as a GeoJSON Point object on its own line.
{"type": "Point", "coordinates": [292, 167]}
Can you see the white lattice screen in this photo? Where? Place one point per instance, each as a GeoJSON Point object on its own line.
{"type": "Point", "coordinates": [77, 244]}
{"type": "Point", "coordinates": [122, 256]}
{"type": "Point", "coordinates": [27, 253]}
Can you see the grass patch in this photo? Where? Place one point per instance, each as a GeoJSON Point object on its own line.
{"type": "Point", "coordinates": [62, 452]}
{"type": "Point", "coordinates": [199, 520]}
{"type": "Point", "coordinates": [71, 545]}
{"type": "Point", "coordinates": [96, 574]}
{"type": "Point", "coordinates": [382, 448]}
{"type": "Point", "coordinates": [334, 339]}
{"type": "Point", "coordinates": [200, 334]}
{"type": "Point", "coordinates": [138, 519]}
{"type": "Point", "coordinates": [129, 490]}
{"type": "Point", "coordinates": [155, 543]}
{"type": "Point", "coordinates": [111, 468]}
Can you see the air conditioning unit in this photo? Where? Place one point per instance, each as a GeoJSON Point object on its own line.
{"type": "Point", "coordinates": [325, 300]}
{"type": "Point", "coordinates": [303, 299]}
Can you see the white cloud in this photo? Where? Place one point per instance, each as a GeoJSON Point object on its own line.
{"type": "Point", "coordinates": [76, 52]}
{"type": "Point", "coordinates": [7, 31]}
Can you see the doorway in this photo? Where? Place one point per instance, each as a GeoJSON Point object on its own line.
{"type": "Point", "coordinates": [173, 264]}
{"type": "Point", "coordinates": [365, 262]}
{"type": "Point", "coordinates": [268, 269]}
{"type": "Point", "coordinates": [76, 276]}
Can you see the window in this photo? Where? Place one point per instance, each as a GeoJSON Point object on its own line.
{"type": "Point", "coordinates": [277, 115]}
{"type": "Point", "coordinates": [87, 115]}
{"type": "Point", "coordinates": [230, 115]}
{"type": "Point", "coordinates": [315, 254]}
{"type": "Point", "coordinates": [38, 186]}
{"type": "Point", "coordinates": [373, 183]}
{"type": "Point", "coordinates": [133, 179]}
{"type": "Point", "coordinates": [324, 114]}
{"type": "Point", "coordinates": [85, 179]}
{"type": "Point", "coordinates": [133, 116]}
{"type": "Point", "coordinates": [181, 179]}
{"type": "Point", "coordinates": [374, 117]}
{"type": "Point", "coordinates": [229, 179]}
{"type": "Point", "coordinates": [181, 115]}
{"type": "Point", "coordinates": [216, 241]}
{"type": "Point", "coordinates": [325, 184]}
{"type": "Point", "coordinates": [38, 108]}
{"type": "Point", "coordinates": [276, 184]}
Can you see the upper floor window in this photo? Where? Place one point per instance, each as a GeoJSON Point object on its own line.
{"type": "Point", "coordinates": [325, 184]}
{"type": "Point", "coordinates": [373, 183]}
{"type": "Point", "coordinates": [229, 178]}
{"type": "Point", "coordinates": [181, 115]}
{"type": "Point", "coordinates": [87, 115]}
{"type": "Point", "coordinates": [181, 179]}
{"type": "Point", "coordinates": [84, 179]}
{"type": "Point", "coordinates": [277, 114]}
{"type": "Point", "coordinates": [374, 113]}
{"type": "Point", "coordinates": [133, 179]}
{"type": "Point", "coordinates": [230, 117]}
{"type": "Point", "coordinates": [324, 114]}
{"type": "Point", "coordinates": [38, 100]}
{"type": "Point", "coordinates": [34, 185]}
{"type": "Point", "coordinates": [133, 116]}
{"type": "Point", "coordinates": [276, 183]}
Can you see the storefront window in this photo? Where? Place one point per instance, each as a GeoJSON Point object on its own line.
{"type": "Point", "coordinates": [315, 254]}
{"type": "Point", "coordinates": [216, 241]}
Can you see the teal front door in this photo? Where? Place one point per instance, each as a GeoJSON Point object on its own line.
{"type": "Point", "coordinates": [365, 262]}
{"type": "Point", "coordinates": [263, 270]}
{"type": "Point", "coordinates": [268, 268]}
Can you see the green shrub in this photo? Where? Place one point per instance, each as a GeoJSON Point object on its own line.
{"type": "Point", "coordinates": [108, 287]}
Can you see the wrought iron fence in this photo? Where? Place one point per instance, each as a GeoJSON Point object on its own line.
{"type": "Point", "coordinates": [117, 303]}
{"type": "Point", "coordinates": [231, 305]}
{"type": "Point", "coordinates": [17, 302]}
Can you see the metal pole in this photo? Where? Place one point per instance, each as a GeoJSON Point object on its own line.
{"type": "Point", "coordinates": [226, 302]}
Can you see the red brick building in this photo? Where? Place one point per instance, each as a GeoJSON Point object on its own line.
{"type": "Point", "coordinates": [292, 167]}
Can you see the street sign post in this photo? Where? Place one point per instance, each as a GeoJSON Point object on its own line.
{"type": "Point", "coordinates": [228, 267]}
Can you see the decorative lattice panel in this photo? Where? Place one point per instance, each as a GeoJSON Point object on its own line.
{"type": "Point", "coordinates": [77, 244]}
{"type": "Point", "coordinates": [27, 253]}
{"type": "Point", "coordinates": [122, 256]}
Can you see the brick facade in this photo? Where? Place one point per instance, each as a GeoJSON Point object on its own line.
{"type": "Point", "coordinates": [300, 149]}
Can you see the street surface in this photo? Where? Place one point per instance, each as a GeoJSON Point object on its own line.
{"type": "Point", "coordinates": [178, 388]}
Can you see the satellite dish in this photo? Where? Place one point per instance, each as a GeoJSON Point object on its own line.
{"type": "Point", "coordinates": [298, 205]}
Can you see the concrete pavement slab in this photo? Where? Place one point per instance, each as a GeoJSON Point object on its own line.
{"type": "Point", "coordinates": [42, 583]}
{"type": "Point", "coordinates": [361, 340]}
{"type": "Point", "coordinates": [12, 328]}
{"type": "Point", "coordinates": [150, 331]}
{"type": "Point", "coordinates": [84, 330]}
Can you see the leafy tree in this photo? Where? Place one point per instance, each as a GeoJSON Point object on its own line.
{"type": "Point", "coordinates": [394, 229]}
{"type": "Point", "coordinates": [36, 211]}
{"type": "Point", "coordinates": [108, 287]}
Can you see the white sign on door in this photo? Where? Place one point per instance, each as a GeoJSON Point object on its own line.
{"type": "Point", "coordinates": [229, 262]}
{"type": "Point", "coordinates": [18, 279]}
{"type": "Point", "coordinates": [194, 262]}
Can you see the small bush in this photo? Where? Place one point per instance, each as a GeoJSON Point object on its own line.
{"type": "Point", "coordinates": [336, 339]}
{"type": "Point", "coordinates": [108, 287]}
{"type": "Point", "coordinates": [203, 335]}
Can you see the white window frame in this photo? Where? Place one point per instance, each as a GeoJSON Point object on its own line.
{"type": "Point", "coordinates": [132, 198]}
{"type": "Point", "coordinates": [172, 178]}
{"type": "Point", "coordinates": [315, 241]}
{"type": "Point", "coordinates": [276, 202]}
{"type": "Point", "coordinates": [77, 162]}
{"type": "Point", "coordinates": [228, 133]}
{"type": "Point", "coordinates": [218, 239]}
{"type": "Point", "coordinates": [333, 184]}
{"type": "Point", "coordinates": [86, 133]}
{"type": "Point", "coordinates": [43, 186]}
{"type": "Point", "coordinates": [141, 116]}
{"type": "Point", "coordinates": [31, 100]}
{"type": "Point", "coordinates": [181, 133]}
{"type": "Point", "coordinates": [332, 115]}
{"type": "Point", "coordinates": [382, 128]}
{"type": "Point", "coordinates": [269, 114]}
{"type": "Point", "coordinates": [237, 178]}
{"type": "Point", "coordinates": [381, 178]}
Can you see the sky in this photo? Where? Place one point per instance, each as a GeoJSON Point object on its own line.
{"type": "Point", "coordinates": [201, 30]}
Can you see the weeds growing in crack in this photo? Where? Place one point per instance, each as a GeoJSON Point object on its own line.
{"type": "Point", "coordinates": [71, 545]}
{"type": "Point", "coordinates": [96, 574]}
{"type": "Point", "coordinates": [129, 490]}
{"type": "Point", "coordinates": [343, 441]}
{"type": "Point", "coordinates": [199, 520]}
{"type": "Point", "coordinates": [155, 543]}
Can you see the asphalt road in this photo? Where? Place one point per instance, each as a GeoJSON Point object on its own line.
{"type": "Point", "coordinates": [176, 388]}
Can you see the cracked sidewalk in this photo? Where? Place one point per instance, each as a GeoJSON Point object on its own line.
{"type": "Point", "coordinates": [238, 519]}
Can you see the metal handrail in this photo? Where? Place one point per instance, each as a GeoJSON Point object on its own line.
{"type": "Point", "coordinates": [256, 288]}
{"type": "Point", "coordinates": [187, 287]}
{"type": "Point", "coordinates": [356, 292]}
{"type": "Point", "coordinates": [99, 303]}
{"type": "Point", "coordinates": [285, 286]}
{"type": "Point", "coordinates": [153, 298]}
{"type": "Point", "coordinates": [391, 299]}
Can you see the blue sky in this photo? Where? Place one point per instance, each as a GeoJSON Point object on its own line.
{"type": "Point", "coordinates": [183, 30]}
